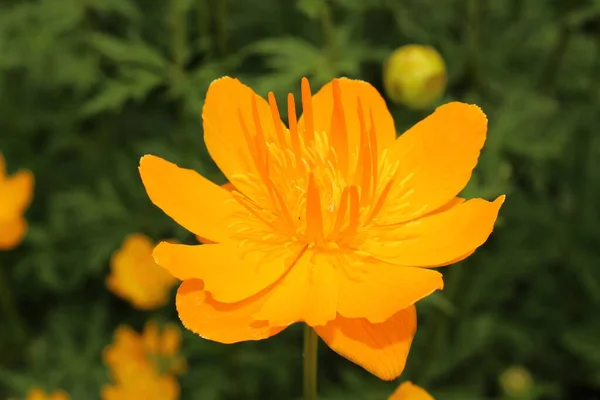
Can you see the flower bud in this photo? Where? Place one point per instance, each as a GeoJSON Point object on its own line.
{"type": "Point", "coordinates": [415, 76]}
{"type": "Point", "coordinates": [516, 381]}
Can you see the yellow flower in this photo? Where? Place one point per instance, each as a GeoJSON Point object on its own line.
{"type": "Point", "coordinates": [409, 391]}
{"type": "Point", "coordinates": [154, 351]}
{"type": "Point", "coordinates": [15, 195]}
{"type": "Point", "coordinates": [333, 221]}
{"type": "Point", "coordinates": [39, 394]}
{"type": "Point", "coordinates": [145, 385]}
{"type": "Point", "coordinates": [415, 76]}
{"type": "Point", "coordinates": [135, 276]}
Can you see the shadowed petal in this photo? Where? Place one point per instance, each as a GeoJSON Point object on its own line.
{"type": "Point", "coordinates": [220, 322]}
{"type": "Point", "coordinates": [230, 271]}
{"type": "Point", "coordinates": [381, 349]}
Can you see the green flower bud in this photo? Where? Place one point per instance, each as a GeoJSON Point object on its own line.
{"type": "Point", "coordinates": [415, 76]}
{"type": "Point", "coordinates": [516, 381]}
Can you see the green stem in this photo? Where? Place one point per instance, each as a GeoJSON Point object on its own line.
{"type": "Point", "coordinates": [311, 342]}
{"type": "Point", "coordinates": [9, 308]}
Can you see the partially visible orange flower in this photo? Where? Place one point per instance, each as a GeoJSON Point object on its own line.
{"type": "Point", "coordinates": [135, 276]}
{"type": "Point", "coordinates": [410, 391]}
{"type": "Point", "coordinates": [154, 351]}
{"type": "Point", "coordinates": [333, 221]}
{"type": "Point", "coordinates": [144, 385]}
{"type": "Point", "coordinates": [39, 394]}
{"type": "Point", "coordinates": [16, 192]}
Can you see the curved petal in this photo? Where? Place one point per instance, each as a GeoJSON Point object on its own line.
{"type": "Point", "coordinates": [438, 239]}
{"type": "Point", "coordinates": [372, 103]}
{"type": "Point", "coordinates": [220, 322]}
{"type": "Point", "coordinates": [409, 391]}
{"type": "Point", "coordinates": [381, 349]}
{"type": "Point", "coordinates": [231, 272]}
{"type": "Point", "coordinates": [435, 160]}
{"type": "Point", "coordinates": [16, 192]}
{"type": "Point", "coordinates": [376, 290]}
{"type": "Point", "coordinates": [308, 292]}
{"type": "Point", "coordinates": [191, 200]}
{"type": "Point", "coordinates": [12, 232]}
{"type": "Point", "coordinates": [230, 129]}
{"type": "Point", "coordinates": [229, 187]}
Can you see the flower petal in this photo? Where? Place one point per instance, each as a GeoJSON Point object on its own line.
{"type": "Point", "coordinates": [12, 232]}
{"type": "Point", "coordinates": [372, 102]}
{"type": "Point", "coordinates": [308, 292]}
{"type": "Point", "coordinates": [381, 349]}
{"type": "Point", "coordinates": [437, 239]}
{"type": "Point", "coordinates": [436, 158]}
{"type": "Point", "coordinates": [376, 290]}
{"type": "Point", "coordinates": [228, 103]}
{"type": "Point", "coordinates": [229, 187]}
{"type": "Point", "coordinates": [191, 200]}
{"type": "Point", "coordinates": [224, 323]}
{"type": "Point", "coordinates": [16, 192]}
{"type": "Point", "coordinates": [231, 272]}
{"type": "Point", "coordinates": [409, 391]}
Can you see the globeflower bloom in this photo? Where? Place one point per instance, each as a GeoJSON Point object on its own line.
{"type": "Point", "coordinates": [410, 391]}
{"type": "Point", "coordinates": [332, 221]}
{"type": "Point", "coordinates": [15, 195]}
{"type": "Point", "coordinates": [135, 276]}
{"type": "Point", "coordinates": [39, 394]}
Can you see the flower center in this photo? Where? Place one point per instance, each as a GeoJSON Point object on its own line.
{"type": "Point", "coordinates": [315, 187]}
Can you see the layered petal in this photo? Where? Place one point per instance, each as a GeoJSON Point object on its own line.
{"type": "Point", "coordinates": [236, 121]}
{"type": "Point", "coordinates": [12, 232]}
{"type": "Point", "coordinates": [437, 239]}
{"type": "Point", "coordinates": [308, 292]}
{"type": "Point", "coordinates": [191, 200]}
{"type": "Point", "coordinates": [381, 348]}
{"type": "Point", "coordinates": [231, 271]}
{"type": "Point", "coordinates": [375, 113]}
{"type": "Point", "coordinates": [435, 160]}
{"type": "Point", "coordinates": [376, 290]}
{"type": "Point", "coordinates": [221, 322]}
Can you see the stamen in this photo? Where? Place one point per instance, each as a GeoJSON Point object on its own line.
{"type": "Point", "coordinates": [314, 216]}
{"type": "Point", "coordinates": [276, 119]}
{"type": "Point", "coordinates": [341, 214]}
{"type": "Point", "coordinates": [364, 158]}
{"type": "Point", "coordinates": [374, 149]}
{"type": "Point", "coordinates": [307, 112]}
{"type": "Point", "coordinates": [293, 123]}
{"type": "Point", "coordinates": [354, 211]}
{"type": "Point", "coordinates": [380, 201]}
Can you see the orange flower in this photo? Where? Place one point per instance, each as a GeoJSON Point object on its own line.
{"type": "Point", "coordinates": [155, 351]}
{"type": "Point", "coordinates": [147, 385]}
{"type": "Point", "coordinates": [333, 222]}
{"type": "Point", "coordinates": [409, 391]}
{"type": "Point", "coordinates": [15, 195]}
{"type": "Point", "coordinates": [39, 394]}
{"type": "Point", "coordinates": [135, 276]}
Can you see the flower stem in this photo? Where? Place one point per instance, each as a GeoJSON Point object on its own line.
{"type": "Point", "coordinates": [311, 342]}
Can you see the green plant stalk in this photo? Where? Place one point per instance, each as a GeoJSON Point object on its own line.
{"type": "Point", "coordinates": [311, 343]}
{"type": "Point", "coordinates": [9, 308]}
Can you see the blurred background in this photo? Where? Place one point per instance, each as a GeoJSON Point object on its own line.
{"type": "Point", "coordinates": [89, 86]}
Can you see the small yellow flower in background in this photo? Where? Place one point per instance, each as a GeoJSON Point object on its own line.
{"type": "Point", "coordinates": [410, 391]}
{"type": "Point", "coordinates": [144, 365]}
{"type": "Point", "coordinates": [15, 195]}
{"type": "Point", "coordinates": [415, 76]}
{"type": "Point", "coordinates": [145, 385]}
{"type": "Point", "coordinates": [39, 394]}
{"type": "Point", "coordinates": [333, 220]}
{"type": "Point", "coordinates": [516, 381]}
{"type": "Point", "coordinates": [155, 350]}
{"type": "Point", "coordinates": [135, 276]}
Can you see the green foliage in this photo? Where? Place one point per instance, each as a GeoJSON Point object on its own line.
{"type": "Point", "coordinates": [87, 87]}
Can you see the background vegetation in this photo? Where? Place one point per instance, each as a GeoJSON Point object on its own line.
{"type": "Point", "coordinates": [88, 86]}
